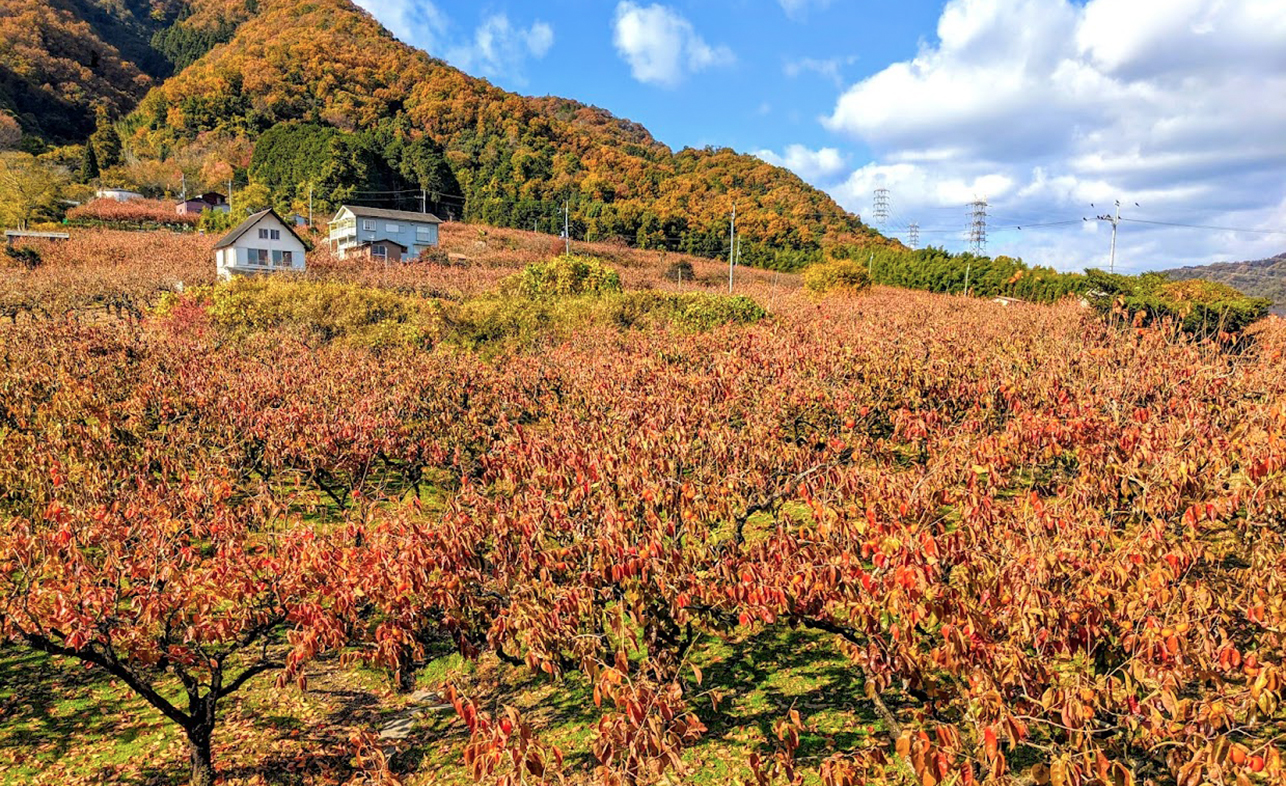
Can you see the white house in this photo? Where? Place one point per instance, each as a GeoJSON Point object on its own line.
{"type": "Point", "coordinates": [376, 232]}
{"type": "Point", "coordinates": [119, 194]}
{"type": "Point", "coordinates": [262, 243]}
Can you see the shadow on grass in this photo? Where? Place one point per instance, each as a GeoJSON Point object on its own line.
{"type": "Point", "coordinates": [51, 702]}
{"type": "Point", "coordinates": [50, 708]}
{"type": "Point", "coordinates": [765, 676]}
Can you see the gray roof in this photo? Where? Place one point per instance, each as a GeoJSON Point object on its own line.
{"type": "Point", "coordinates": [246, 225]}
{"type": "Point", "coordinates": [392, 215]}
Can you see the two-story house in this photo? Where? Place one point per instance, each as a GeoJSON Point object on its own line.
{"type": "Point", "coordinates": [388, 235]}
{"type": "Point", "coordinates": [262, 243]}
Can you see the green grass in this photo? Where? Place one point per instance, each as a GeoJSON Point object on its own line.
{"type": "Point", "coordinates": [61, 722]}
{"type": "Point", "coordinates": [92, 727]}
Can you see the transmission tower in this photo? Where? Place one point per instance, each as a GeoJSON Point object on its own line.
{"type": "Point", "coordinates": [882, 203]}
{"type": "Point", "coordinates": [978, 226]}
{"type": "Point", "coordinates": [913, 235]}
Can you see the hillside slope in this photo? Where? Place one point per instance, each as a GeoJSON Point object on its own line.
{"type": "Point", "coordinates": [514, 158]}
{"type": "Point", "coordinates": [1264, 278]}
{"type": "Point", "coordinates": [59, 59]}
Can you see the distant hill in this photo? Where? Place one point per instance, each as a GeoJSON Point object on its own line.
{"type": "Point", "coordinates": [243, 67]}
{"type": "Point", "coordinates": [1264, 278]}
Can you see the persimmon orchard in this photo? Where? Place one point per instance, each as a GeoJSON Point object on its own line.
{"type": "Point", "coordinates": [1049, 549]}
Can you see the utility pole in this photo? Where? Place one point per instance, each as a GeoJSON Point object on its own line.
{"type": "Point", "coordinates": [184, 179]}
{"type": "Point", "coordinates": [567, 228]}
{"type": "Point", "coordinates": [230, 207]}
{"type": "Point", "coordinates": [424, 201]}
{"type": "Point", "coordinates": [882, 203]}
{"type": "Point", "coordinates": [1115, 221]}
{"type": "Point", "coordinates": [310, 205]}
{"type": "Point", "coordinates": [913, 235]}
{"type": "Point", "coordinates": [732, 246]}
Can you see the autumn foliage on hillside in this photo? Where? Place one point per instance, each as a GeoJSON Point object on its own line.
{"type": "Point", "coordinates": [55, 69]}
{"type": "Point", "coordinates": [1045, 548]}
{"type": "Point", "coordinates": [515, 158]}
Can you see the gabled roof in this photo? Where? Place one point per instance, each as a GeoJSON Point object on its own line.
{"type": "Point", "coordinates": [392, 215]}
{"type": "Point", "coordinates": [249, 223]}
{"type": "Point", "coordinates": [381, 241]}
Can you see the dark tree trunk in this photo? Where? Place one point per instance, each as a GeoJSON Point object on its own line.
{"type": "Point", "coordinates": [201, 755]}
{"type": "Point", "coordinates": [405, 671]}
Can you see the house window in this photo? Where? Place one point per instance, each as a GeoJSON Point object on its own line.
{"type": "Point", "coordinates": [276, 258]}
{"type": "Point", "coordinates": [391, 229]}
{"type": "Point", "coordinates": [259, 256]}
{"type": "Point", "coordinates": [368, 225]}
{"type": "Point", "coordinates": [379, 252]}
{"type": "Point", "coordinates": [288, 258]}
{"type": "Point", "coordinates": [263, 234]}
{"type": "Point", "coordinates": [424, 234]}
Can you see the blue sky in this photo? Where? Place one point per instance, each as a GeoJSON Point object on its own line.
{"type": "Point", "coordinates": [1048, 109]}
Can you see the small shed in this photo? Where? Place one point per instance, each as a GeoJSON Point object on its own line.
{"type": "Point", "coordinates": [198, 205]}
{"type": "Point", "coordinates": [263, 243]}
{"type": "Point", "coordinates": [382, 250]}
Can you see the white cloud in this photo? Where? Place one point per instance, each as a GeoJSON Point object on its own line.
{"type": "Point", "coordinates": [417, 22]}
{"type": "Point", "coordinates": [831, 68]}
{"type": "Point", "coordinates": [500, 49]}
{"type": "Point", "coordinates": [497, 49]}
{"type": "Point", "coordinates": [1044, 106]}
{"type": "Point", "coordinates": [661, 46]}
{"type": "Point", "coordinates": [812, 165]}
{"type": "Point", "coordinates": [796, 9]}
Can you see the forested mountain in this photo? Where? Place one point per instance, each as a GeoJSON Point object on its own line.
{"type": "Point", "coordinates": [63, 62]}
{"type": "Point", "coordinates": [355, 111]}
{"type": "Point", "coordinates": [1264, 278]}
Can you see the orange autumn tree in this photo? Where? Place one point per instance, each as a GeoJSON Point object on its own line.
{"type": "Point", "coordinates": [128, 551]}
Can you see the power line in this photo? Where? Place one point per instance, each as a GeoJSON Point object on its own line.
{"type": "Point", "coordinates": [1203, 226]}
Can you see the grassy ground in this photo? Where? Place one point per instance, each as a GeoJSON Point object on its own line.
{"type": "Point", "coordinates": [63, 724]}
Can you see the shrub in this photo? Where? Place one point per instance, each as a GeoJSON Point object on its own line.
{"type": "Point", "coordinates": [145, 212]}
{"type": "Point", "coordinates": [434, 255]}
{"type": "Point", "coordinates": [26, 256]}
{"type": "Point", "coordinates": [218, 221]}
{"type": "Point", "coordinates": [838, 276]}
{"type": "Point", "coordinates": [1197, 307]}
{"type": "Point", "coordinates": [680, 271]}
{"type": "Point", "coordinates": [565, 276]}
{"type": "Point", "coordinates": [687, 311]}
{"type": "Point", "coordinates": [318, 312]}
{"type": "Point", "coordinates": [500, 319]}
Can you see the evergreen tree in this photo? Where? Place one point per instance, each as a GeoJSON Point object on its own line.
{"type": "Point", "coordinates": [89, 164]}
{"type": "Point", "coordinates": [106, 142]}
